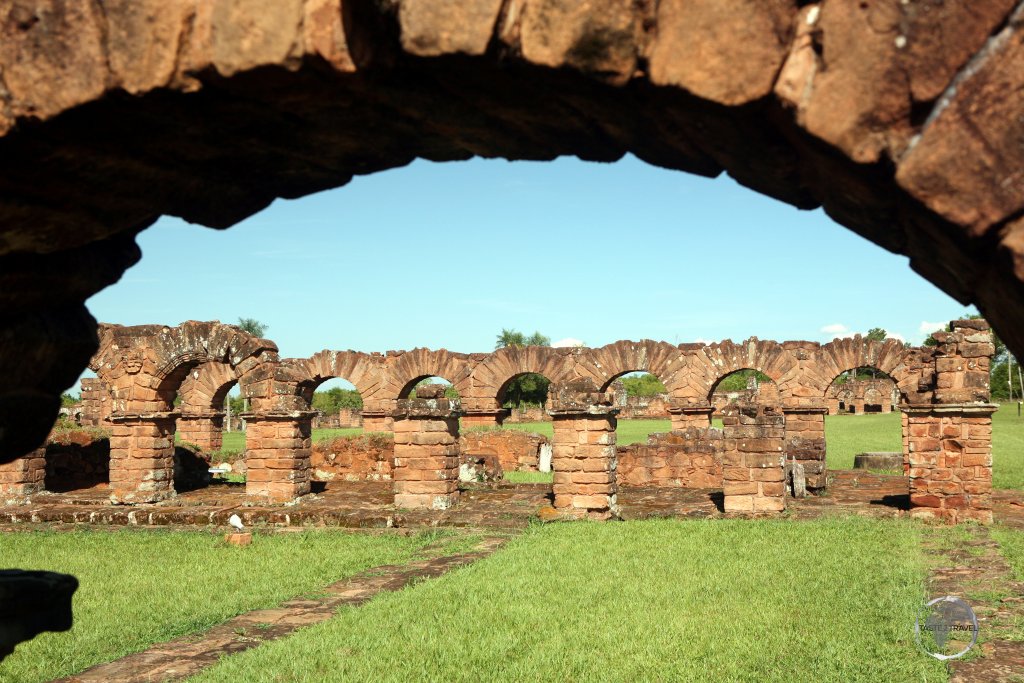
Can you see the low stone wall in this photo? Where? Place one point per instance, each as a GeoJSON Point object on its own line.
{"type": "Point", "coordinates": [689, 458]}
{"type": "Point", "coordinates": [515, 450]}
{"type": "Point", "coordinates": [519, 415]}
{"type": "Point", "coordinates": [368, 457]}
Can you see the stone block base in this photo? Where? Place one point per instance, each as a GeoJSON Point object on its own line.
{"type": "Point", "coordinates": [426, 471]}
{"type": "Point", "coordinates": [583, 459]}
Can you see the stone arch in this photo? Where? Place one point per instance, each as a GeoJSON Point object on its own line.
{"type": "Point", "coordinates": [841, 355]}
{"type": "Point", "coordinates": [306, 76]}
{"type": "Point", "coordinates": [403, 369]}
{"type": "Point", "coordinates": [365, 372]}
{"type": "Point", "coordinates": [493, 372]}
{"type": "Point", "coordinates": [710, 363]}
{"type": "Point", "coordinates": [609, 362]}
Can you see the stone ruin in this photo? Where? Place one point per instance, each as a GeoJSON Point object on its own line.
{"type": "Point", "coordinates": [859, 396]}
{"type": "Point", "coordinates": [944, 398]}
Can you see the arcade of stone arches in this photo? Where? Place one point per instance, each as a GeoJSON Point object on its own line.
{"type": "Point", "coordinates": [142, 370]}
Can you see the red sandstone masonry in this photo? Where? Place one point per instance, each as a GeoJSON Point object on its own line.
{"type": "Point", "coordinates": [203, 430]}
{"type": "Point", "coordinates": [277, 455]}
{"type": "Point", "coordinates": [805, 439]}
{"type": "Point", "coordinates": [691, 458]}
{"type": "Point", "coordinates": [426, 471]}
{"type": "Point", "coordinates": [24, 476]}
{"type": "Point", "coordinates": [142, 457]}
{"type": "Point", "coordinates": [753, 461]}
{"type": "Point", "coordinates": [583, 456]}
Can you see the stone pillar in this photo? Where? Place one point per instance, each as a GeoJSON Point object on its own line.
{"type": "Point", "coordinates": [277, 451]}
{"type": "Point", "coordinates": [204, 430]}
{"type": "Point", "coordinates": [426, 472]}
{"type": "Point", "coordinates": [483, 418]}
{"type": "Point", "coordinates": [949, 441]}
{"type": "Point", "coordinates": [905, 426]}
{"type": "Point", "coordinates": [753, 459]}
{"type": "Point", "coordinates": [24, 476]}
{"type": "Point", "coordinates": [950, 461]}
{"type": "Point", "coordinates": [142, 457]}
{"type": "Point", "coordinates": [687, 415]}
{"type": "Point", "coordinates": [805, 439]}
{"type": "Point", "coordinates": [583, 456]}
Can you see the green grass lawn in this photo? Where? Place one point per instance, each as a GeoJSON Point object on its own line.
{"type": "Point", "coordinates": [529, 477]}
{"type": "Point", "coordinates": [848, 435]}
{"type": "Point", "coordinates": [725, 600]}
{"type": "Point", "coordinates": [142, 587]}
{"type": "Point", "coordinates": [1007, 448]}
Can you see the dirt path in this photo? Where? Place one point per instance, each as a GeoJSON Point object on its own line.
{"type": "Point", "coordinates": [973, 568]}
{"type": "Point", "coordinates": [186, 656]}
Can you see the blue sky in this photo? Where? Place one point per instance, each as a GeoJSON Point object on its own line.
{"type": "Point", "coordinates": [446, 255]}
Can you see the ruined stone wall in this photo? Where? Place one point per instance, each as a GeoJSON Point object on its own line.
{"type": "Point", "coordinates": [96, 403]}
{"type": "Point", "coordinates": [368, 457]}
{"type": "Point", "coordinates": [753, 459]}
{"type": "Point", "coordinates": [691, 458]}
{"type": "Point", "coordinates": [350, 418]}
{"type": "Point", "coordinates": [515, 450]}
{"type": "Point", "coordinates": [852, 396]}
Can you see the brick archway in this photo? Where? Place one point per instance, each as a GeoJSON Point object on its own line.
{"type": "Point", "coordinates": [606, 364]}
{"type": "Point", "coordinates": [495, 371]}
{"type": "Point", "coordinates": [840, 105]}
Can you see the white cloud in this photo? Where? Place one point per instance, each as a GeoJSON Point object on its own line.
{"type": "Point", "coordinates": [837, 329]}
{"type": "Point", "coordinates": [927, 327]}
{"type": "Point", "coordinates": [701, 340]}
{"type": "Point", "coordinates": [567, 343]}
{"type": "Point", "coordinates": [895, 335]}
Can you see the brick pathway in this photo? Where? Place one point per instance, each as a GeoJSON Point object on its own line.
{"type": "Point", "coordinates": [186, 656]}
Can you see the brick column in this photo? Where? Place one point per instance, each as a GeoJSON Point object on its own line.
{"type": "Point", "coordinates": [204, 430]}
{"type": "Point", "coordinates": [483, 418]}
{"type": "Point", "coordinates": [805, 439]}
{"type": "Point", "coordinates": [24, 476]}
{"type": "Point", "coordinates": [690, 415]}
{"type": "Point", "coordinates": [753, 461]}
{"type": "Point", "coordinates": [426, 472]}
{"type": "Point", "coordinates": [949, 441]}
{"type": "Point", "coordinates": [277, 452]}
{"type": "Point", "coordinates": [583, 455]}
{"type": "Point", "coordinates": [949, 461]}
{"type": "Point", "coordinates": [142, 457]}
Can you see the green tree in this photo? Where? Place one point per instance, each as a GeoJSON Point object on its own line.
{"type": "Point", "coordinates": [644, 384]}
{"type": "Point", "coordinates": [737, 381]}
{"type": "Point", "coordinates": [876, 334]}
{"type": "Point", "coordinates": [529, 388]}
{"type": "Point", "coordinates": [68, 399]}
{"type": "Point", "coordinates": [334, 399]}
{"type": "Point", "coordinates": [253, 327]}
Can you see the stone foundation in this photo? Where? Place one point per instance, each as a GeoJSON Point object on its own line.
{"type": "Point", "coordinates": [483, 418]}
{"type": "Point", "coordinates": [753, 459]}
{"type": "Point", "coordinates": [277, 455]}
{"type": "Point", "coordinates": [377, 422]}
{"type": "Point", "coordinates": [691, 459]}
{"type": "Point", "coordinates": [426, 471]}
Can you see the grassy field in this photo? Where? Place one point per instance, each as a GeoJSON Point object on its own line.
{"type": "Point", "coordinates": [848, 435]}
{"type": "Point", "coordinates": [672, 600]}
{"type": "Point", "coordinates": [1007, 449]}
{"type": "Point", "coordinates": [142, 587]}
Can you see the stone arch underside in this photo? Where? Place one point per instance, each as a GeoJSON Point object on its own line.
{"type": "Point", "coordinates": [494, 371]}
{"type": "Point", "coordinates": [849, 106]}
